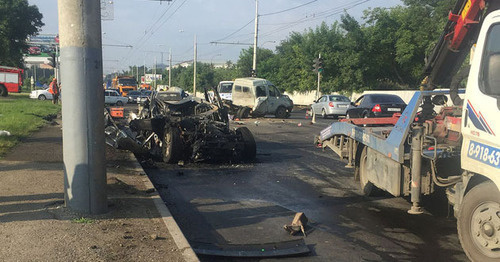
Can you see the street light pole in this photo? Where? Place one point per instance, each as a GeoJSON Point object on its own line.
{"type": "Point", "coordinates": [194, 64]}
{"type": "Point", "coordinates": [255, 39]}
{"type": "Point", "coordinates": [83, 108]}
{"type": "Point", "coordinates": [170, 68]}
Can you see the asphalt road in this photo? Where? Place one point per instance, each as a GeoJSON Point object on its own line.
{"type": "Point", "coordinates": [244, 204]}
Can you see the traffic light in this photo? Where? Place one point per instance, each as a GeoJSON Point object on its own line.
{"type": "Point", "coordinates": [316, 65]}
{"type": "Point", "coordinates": [320, 65]}
{"type": "Point", "coordinates": [52, 59]}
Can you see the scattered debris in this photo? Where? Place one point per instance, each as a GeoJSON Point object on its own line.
{"type": "Point", "coordinates": [154, 236]}
{"type": "Point", "coordinates": [300, 124]}
{"type": "Point", "coordinates": [257, 123]}
{"type": "Point", "coordinates": [150, 190]}
{"type": "Point", "coordinates": [4, 133]}
{"type": "Point", "coordinates": [298, 224]}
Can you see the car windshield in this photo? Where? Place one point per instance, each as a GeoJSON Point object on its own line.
{"type": "Point", "coordinates": [146, 93]}
{"type": "Point", "coordinates": [127, 89]}
{"type": "Point", "coordinates": [339, 99]}
{"type": "Point", "coordinates": [226, 88]}
{"type": "Point", "coordinates": [134, 93]}
{"type": "Point", "coordinates": [387, 99]}
{"type": "Point", "coordinates": [127, 82]}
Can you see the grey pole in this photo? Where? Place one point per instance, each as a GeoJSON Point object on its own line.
{"type": "Point", "coordinates": [194, 66]}
{"type": "Point", "coordinates": [83, 106]}
{"type": "Point", "coordinates": [255, 39]}
{"type": "Point", "coordinates": [170, 68]}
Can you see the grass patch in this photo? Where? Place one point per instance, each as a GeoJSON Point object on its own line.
{"type": "Point", "coordinates": [21, 116]}
{"type": "Point", "coordinates": [83, 220]}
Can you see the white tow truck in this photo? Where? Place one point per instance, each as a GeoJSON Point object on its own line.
{"type": "Point", "coordinates": [457, 148]}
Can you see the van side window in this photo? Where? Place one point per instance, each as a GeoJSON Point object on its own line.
{"type": "Point", "coordinates": [260, 91]}
{"type": "Point", "coordinates": [237, 88]}
{"type": "Point", "coordinates": [490, 66]}
{"type": "Point", "coordinates": [246, 89]}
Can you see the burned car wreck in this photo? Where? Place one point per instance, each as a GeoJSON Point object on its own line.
{"type": "Point", "coordinates": [190, 129]}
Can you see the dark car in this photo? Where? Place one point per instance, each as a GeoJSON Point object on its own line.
{"type": "Point", "coordinates": [376, 105]}
{"type": "Point", "coordinates": [133, 95]}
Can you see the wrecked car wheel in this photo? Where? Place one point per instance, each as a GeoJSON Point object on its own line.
{"type": "Point", "coordinates": [249, 147]}
{"type": "Point", "coordinates": [281, 112]}
{"type": "Point", "coordinates": [172, 145]}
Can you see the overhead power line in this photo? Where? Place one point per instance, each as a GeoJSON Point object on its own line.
{"type": "Point", "coordinates": [289, 9]}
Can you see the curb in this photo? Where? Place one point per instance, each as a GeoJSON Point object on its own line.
{"type": "Point", "coordinates": [180, 240]}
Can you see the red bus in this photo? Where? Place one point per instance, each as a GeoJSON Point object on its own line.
{"type": "Point", "coordinates": [11, 80]}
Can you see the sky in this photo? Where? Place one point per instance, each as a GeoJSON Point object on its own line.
{"type": "Point", "coordinates": [143, 31]}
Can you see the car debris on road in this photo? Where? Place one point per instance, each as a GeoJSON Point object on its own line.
{"type": "Point", "coordinates": [190, 129]}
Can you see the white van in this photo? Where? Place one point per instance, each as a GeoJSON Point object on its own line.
{"type": "Point", "coordinates": [225, 90]}
{"type": "Point", "coordinates": [259, 97]}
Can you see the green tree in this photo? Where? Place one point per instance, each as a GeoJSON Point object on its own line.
{"type": "Point", "coordinates": [18, 20]}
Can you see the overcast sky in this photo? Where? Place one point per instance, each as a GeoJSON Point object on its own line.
{"type": "Point", "coordinates": [152, 27]}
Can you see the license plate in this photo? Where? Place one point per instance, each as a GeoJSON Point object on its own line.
{"type": "Point", "coordinates": [484, 153]}
{"type": "Point", "coordinates": [342, 106]}
{"type": "Point", "coordinates": [394, 109]}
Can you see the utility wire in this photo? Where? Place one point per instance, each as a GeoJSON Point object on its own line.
{"type": "Point", "coordinates": [289, 9]}
{"type": "Point", "coordinates": [224, 38]}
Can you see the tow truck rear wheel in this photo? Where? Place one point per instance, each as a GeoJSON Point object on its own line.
{"type": "Point", "coordinates": [172, 145]}
{"type": "Point", "coordinates": [367, 187]}
{"type": "Point", "coordinates": [478, 223]}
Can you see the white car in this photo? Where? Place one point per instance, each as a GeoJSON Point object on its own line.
{"type": "Point", "coordinates": [114, 98]}
{"type": "Point", "coordinates": [41, 94]}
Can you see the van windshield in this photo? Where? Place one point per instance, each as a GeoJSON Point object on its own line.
{"type": "Point", "coordinates": [226, 88]}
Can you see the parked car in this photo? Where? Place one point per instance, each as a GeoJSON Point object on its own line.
{"type": "Point", "coordinates": [112, 97]}
{"type": "Point", "coordinates": [376, 105]}
{"type": "Point", "coordinates": [225, 90]}
{"type": "Point", "coordinates": [41, 94]}
{"type": "Point", "coordinates": [133, 95]}
{"type": "Point", "coordinates": [144, 96]}
{"type": "Point", "coordinates": [331, 105]}
{"type": "Point", "coordinates": [34, 50]}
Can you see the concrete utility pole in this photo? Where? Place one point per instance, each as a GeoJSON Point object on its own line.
{"type": "Point", "coordinates": [319, 79]}
{"type": "Point", "coordinates": [83, 107]}
{"type": "Point", "coordinates": [169, 67]}
{"type": "Point", "coordinates": [255, 39]}
{"type": "Point", "coordinates": [154, 76]}
{"type": "Point", "coordinates": [194, 64]}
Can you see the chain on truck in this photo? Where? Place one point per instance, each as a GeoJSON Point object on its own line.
{"type": "Point", "coordinates": [11, 80]}
{"type": "Point", "coordinates": [456, 148]}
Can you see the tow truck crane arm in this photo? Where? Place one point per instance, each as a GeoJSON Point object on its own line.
{"type": "Point", "coordinates": [460, 33]}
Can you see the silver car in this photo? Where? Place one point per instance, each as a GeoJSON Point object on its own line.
{"type": "Point", "coordinates": [331, 105]}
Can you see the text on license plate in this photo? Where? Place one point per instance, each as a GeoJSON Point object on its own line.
{"type": "Point", "coordinates": [483, 153]}
{"type": "Point", "coordinates": [393, 109]}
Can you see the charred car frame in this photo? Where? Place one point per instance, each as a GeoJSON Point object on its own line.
{"type": "Point", "coordinates": [191, 129]}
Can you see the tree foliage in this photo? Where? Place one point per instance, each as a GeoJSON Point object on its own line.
{"type": "Point", "coordinates": [18, 20]}
{"type": "Point", "coordinates": [386, 50]}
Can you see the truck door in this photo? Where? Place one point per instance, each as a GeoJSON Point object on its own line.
{"type": "Point", "coordinates": [481, 107]}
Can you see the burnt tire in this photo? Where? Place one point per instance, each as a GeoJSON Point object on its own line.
{"type": "Point", "coordinates": [172, 149]}
{"type": "Point", "coordinates": [281, 112]}
{"type": "Point", "coordinates": [249, 146]}
{"type": "Point", "coordinates": [367, 188]}
{"type": "Point", "coordinates": [3, 91]}
{"type": "Point", "coordinates": [478, 222]}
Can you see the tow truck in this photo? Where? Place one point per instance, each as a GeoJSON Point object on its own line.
{"type": "Point", "coordinates": [457, 148]}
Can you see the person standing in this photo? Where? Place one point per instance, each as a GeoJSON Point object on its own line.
{"type": "Point", "coordinates": [54, 90]}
